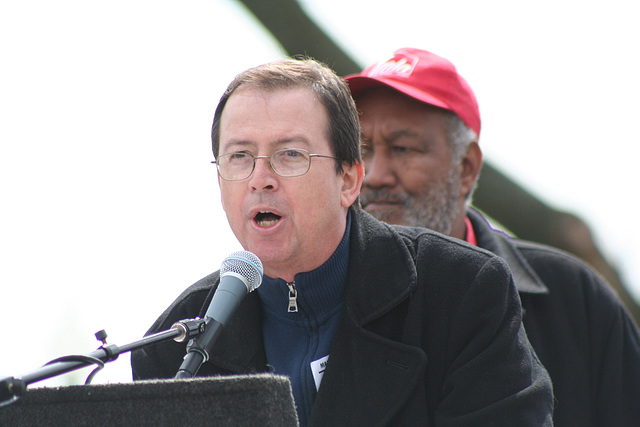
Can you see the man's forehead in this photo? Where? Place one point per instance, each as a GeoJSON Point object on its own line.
{"type": "Point", "coordinates": [276, 118]}
{"type": "Point", "coordinates": [272, 99]}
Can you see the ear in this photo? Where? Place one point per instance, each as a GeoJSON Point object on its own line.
{"type": "Point", "coordinates": [470, 168]}
{"type": "Point", "coordinates": [352, 177]}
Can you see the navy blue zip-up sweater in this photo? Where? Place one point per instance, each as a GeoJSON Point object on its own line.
{"type": "Point", "coordinates": [293, 340]}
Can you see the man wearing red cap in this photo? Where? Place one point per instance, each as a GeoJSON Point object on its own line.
{"type": "Point", "coordinates": [420, 124]}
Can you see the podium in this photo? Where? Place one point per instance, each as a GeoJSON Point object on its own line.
{"type": "Point", "coordinates": [243, 400]}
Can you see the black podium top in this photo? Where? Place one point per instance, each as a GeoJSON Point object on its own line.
{"type": "Point", "coordinates": [246, 400]}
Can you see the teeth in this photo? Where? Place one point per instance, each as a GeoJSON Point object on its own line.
{"type": "Point", "coordinates": [263, 222]}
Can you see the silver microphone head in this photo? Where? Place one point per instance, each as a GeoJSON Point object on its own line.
{"type": "Point", "coordinates": [245, 264]}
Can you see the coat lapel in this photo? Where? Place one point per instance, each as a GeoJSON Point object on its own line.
{"type": "Point", "coordinates": [524, 275]}
{"type": "Point", "coordinates": [371, 380]}
{"type": "Point", "coordinates": [388, 370]}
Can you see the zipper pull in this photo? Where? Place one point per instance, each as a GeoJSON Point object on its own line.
{"type": "Point", "coordinates": [293, 297]}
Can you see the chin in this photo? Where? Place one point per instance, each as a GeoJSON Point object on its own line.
{"type": "Point", "coordinates": [270, 253]}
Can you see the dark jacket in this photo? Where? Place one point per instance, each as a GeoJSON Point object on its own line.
{"type": "Point", "coordinates": [431, 334]}
{"type": "Point", "coordinates": [578, 326]}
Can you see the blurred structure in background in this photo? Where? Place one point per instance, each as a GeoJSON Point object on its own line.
{"type": "Point", "coordinates": [499, 197]}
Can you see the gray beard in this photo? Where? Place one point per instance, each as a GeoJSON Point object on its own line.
{"type": "Point", "coordinates": [437, 208]}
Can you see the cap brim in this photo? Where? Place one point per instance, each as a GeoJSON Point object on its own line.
{"type": "Point", "coordinates": [359, 84]}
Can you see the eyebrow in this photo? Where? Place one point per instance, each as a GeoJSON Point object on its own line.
{"type": "Point", "coordinates": [241, 143]}
{"type": "Point", "coordinates": [399, 133]}
{"type": "Point", "coordinates": [393, 135]}
{"type": "Point", "coordinates": [244, 143]}
{"type": "Point", "coordinates": [293, 139]}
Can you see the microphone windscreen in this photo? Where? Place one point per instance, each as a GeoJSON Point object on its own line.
{"type": "Point", "coordinates": [246, 265]}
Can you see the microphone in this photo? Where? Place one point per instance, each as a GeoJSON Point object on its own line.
{"type": "Point", "coordinates": [240, 273]}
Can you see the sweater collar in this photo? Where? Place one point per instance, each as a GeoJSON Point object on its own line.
{"type": "Point", "coordinates": [319, 291]}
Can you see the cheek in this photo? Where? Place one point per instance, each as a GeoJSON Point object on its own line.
{"type": "Point", "coordinates": [230, 201]}
{"type": "Point", "coordinates": [413, 179]}
{"type": "Point", "coordinates": [416, 179]}
{"type": "Point", "coordinates": [318, 198]}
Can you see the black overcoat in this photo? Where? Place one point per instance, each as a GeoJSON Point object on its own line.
{"type": "Point", "coordinates": [579, 328]}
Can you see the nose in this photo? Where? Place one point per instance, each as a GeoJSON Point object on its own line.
{"type": "Point", "coordinates": [263, 176]}
{"type": "Point", "coordinates": [379, 170]}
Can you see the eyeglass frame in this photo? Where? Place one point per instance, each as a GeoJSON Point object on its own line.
{"type": "Point", "coordinates": [253, 168]}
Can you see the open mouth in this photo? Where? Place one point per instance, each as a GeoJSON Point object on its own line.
{"type": "Point", "coordinates": [266, 219]}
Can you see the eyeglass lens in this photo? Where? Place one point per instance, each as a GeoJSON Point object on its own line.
{"type": "Point", "coordinates": [286, 162]}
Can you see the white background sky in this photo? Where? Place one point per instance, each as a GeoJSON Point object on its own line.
{"type": "Point", "coordinates": [110, 207]}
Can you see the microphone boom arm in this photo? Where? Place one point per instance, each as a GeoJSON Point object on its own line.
{"type": "Point", "coordinates": [12, 388]}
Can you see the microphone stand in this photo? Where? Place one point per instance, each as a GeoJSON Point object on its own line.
{"type": "Point", "coordinates": [12, 388]}
{"type": "Point", "coordinates": [199, 348]}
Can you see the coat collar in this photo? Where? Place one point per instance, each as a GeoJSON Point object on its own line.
{"type": "Point", "coordinates": [526, 279]}
{"type": "Point", "coordinates": [375, 240]}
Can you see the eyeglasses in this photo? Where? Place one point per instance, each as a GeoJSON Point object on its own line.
{"type": "Point", "coordinates": [287, 162]}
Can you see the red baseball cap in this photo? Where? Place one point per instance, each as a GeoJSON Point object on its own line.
{"type": "Point", "coordinates": [424, 76]}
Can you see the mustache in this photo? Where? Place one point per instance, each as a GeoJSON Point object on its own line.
{"type": "Point", "coordinates": [368, 194]}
